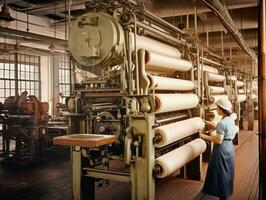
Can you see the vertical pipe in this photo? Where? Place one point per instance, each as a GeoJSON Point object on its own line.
{"type": "Point", "coordinates": [262, 99]}
{"type": "Point", "coordinates": [195, 19]}
{"type": "Point", "coordinates": [136, 57]}
{"type": "Point", "coordinates": [187, 19]}
{"type": "Point", "coordinates": [16, 75]}
{"type": "Point", "coordinates": [222, 41]}
{"type": "Point", "coordinates": [207, 31]}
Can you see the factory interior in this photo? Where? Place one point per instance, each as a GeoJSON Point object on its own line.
{"type": "Point", "coordinates": [111, 99]}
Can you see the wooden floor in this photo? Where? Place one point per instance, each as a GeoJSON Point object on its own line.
{"type": "Point", "coordinates": [50, 179]}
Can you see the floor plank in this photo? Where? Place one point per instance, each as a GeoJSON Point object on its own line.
{"type": "Point", "coordinates": [51, 179]}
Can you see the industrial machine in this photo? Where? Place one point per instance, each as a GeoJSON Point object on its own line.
{"type": "Point", "coordinates": [140, 105]}
{"type": "Point", "coordinates": [24, 120]}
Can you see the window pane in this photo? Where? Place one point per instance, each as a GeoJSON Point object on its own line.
{"type": "Point", "coordinates": [12, 74]}
{"type": "Point", "coordinates": [2, 84]}
{"type": "Point", "coordinates": [12, 84]}
{"type": "Point", "coordinates": [12, 66]}
{"type": "Point", "coordinates": [1, 73]}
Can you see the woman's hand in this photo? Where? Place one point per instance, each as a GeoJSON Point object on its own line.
{"type": "Point", "coordinates": [209, 124]}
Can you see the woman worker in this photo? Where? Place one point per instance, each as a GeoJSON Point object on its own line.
{"type": "Point", "coordinates": [220, 175]}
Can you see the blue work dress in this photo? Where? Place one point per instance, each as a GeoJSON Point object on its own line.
{"type": "Point", "coordinates": [220, 175]}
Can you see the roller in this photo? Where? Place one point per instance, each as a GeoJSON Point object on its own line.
{"type": "Point", "coordinates": [215, 98]}
{"type": "Point", "coordinates": [179, 157]}
{"type": "Point", "coordinates": [215, 77]}
{"type": "Point", "coordinates": [155, 46]}
{"type": "Point", "coordinates": [165, 83]}
{"type": "Point", "coordinates": [254, 96]}
{"type": "Point", "coordinates": [232, 77]}
{"type": "Point", "coordinates": [241, 91]}
{"type": "Point", "coordinates": [216, 90]}
{"type": "Point", "coordinates": [172, 132]}
{"type": "Point", "coordinates": [207, 68]}
{"type": "Point", "coordinates": [241, 98]}
{"type": "Point", "coordinates": [156, 62]}
{"type": "Point", "coordinates": [234, 116]}
{"type": "Point", "coordinates": [175, 102]}
{"type": "Point", "coordinates": [239, 83]}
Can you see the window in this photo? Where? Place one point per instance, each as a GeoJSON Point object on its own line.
{"type": "Point", "coordinates": [28, 75]}
{"type": "Point", "coordinates": [64, 78]}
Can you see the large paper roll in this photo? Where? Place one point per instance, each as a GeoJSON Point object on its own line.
{"type": "Point", "coordinates": [216, 90]}
{"type": "Point", "coordinates": [208, 68]}
{"type": "Point", "coordinates": [215, 98]}
{"type": "Point", "coordinates": [155, 46]}
{"type": "Point", "coordinates": [175, 102]}
{"type": "Point", "coordinates": [165, 83]}
{"type": "Point", "coordinates": [239, 83]}
{"type": "Point", "coordinates": [215, 77]}
{"type": "Point", "coordinates": [241, 91]}
{"type": "Point", "coordinates": [232, 77]}
{"type": "Point", "coordinates": [234, 116]}
{"type": "Point", "coordinates": [241, 98]}
{"type": "Point", "coordinates": [156, 62]}
{"type": "Point", "coordinates": [172, 132]}
{"type": "Point", "coordinates": [179, 157]}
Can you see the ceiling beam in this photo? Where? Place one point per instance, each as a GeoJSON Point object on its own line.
{"type": "Point", "coordinates": [35, 36]}
{"type": "Point", "coordinates": [164, 10]}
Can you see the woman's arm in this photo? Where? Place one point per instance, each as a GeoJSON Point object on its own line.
{"type": "Point", "coordinates": [214, 137]}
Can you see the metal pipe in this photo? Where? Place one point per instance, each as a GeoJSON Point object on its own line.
{"type": "Point", "coordinates": [262, 99]}
{"type": "Point", "coordinates": [16, 75]}
{"type": "Point", "coordinates": [206, 60]}
{"type": "Point", "coordinates": [221, 11]}
{"type": "Point", "coordinates": [144, 81]}
{"type": "Point", "coordinates": [162, 22]}
{"type": "Point", "coordinates": [222, 42]}
{"type": "Point", "coordinates": [136, 55]}
{"type": "Point", "coordinates": [158, 34]}
{"type": "Point", "coordinates": [158, 20]}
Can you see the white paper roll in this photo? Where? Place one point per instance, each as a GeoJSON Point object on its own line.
{"type": "Point", "coordinates": [216, 90]}
{"type": "Point", "coordinates": [241, 98]}
{"type": "Point", "coordinates": [175, 102]}
{"type": "Point", "coordinates": [178, 130]}
{"type": "Point", "coordinates": [241, 91]}
{"type": "Point", "coordinates": [233, 78]}
{"type": "Point", "coordinates": [215, 98]}
{"type": "Point", "coordinates": [239, 83]}
{"type": "Point", "coordinates": [234, 116]}
{"type": "Point", "coordinates": [179, 157]}
{"type": "Point", "coordinates": [156, 62]}
{"type": "Point", "coordinates": [155, 46]}
{"type": "Point", "coordinates": [215, 77]}
{"type": "Point", "coordinates": [208, 68]}
{"type": "Point", "coordinates": [165, 83]}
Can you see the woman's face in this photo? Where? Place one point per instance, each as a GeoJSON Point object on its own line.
{"type": "Point", "coordinates": [219, 111]}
